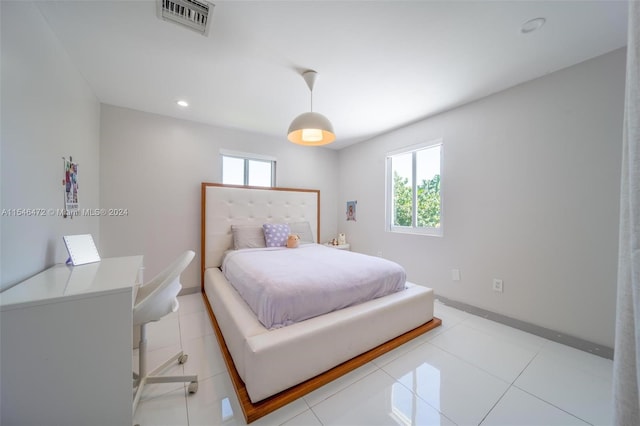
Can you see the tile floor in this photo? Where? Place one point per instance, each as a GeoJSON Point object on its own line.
{"type": "Point", "coordinates": [469, 371]}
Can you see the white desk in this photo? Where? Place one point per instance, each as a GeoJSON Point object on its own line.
{"type": "Point", "coordinates": [65, 345]}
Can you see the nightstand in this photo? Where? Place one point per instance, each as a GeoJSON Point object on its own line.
{"type": "Point", "coordinates": [339, 246]}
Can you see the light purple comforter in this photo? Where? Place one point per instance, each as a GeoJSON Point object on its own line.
{"type": "Point", "coordinates": [283, 286]}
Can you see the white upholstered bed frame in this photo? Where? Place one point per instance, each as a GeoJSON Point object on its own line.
{"type": "Point", "coordinates": [270, 368]}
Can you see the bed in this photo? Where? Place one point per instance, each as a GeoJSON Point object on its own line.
{"type": "Point", "coordinates": [272, 366]}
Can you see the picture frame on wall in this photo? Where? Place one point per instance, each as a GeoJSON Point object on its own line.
{"type": "Point", "coordinates": [351, 210]}
{"type": "Point", "coordinates": [70, 183]}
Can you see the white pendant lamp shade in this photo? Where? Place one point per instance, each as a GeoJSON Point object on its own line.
{"type": "Point", "coordinates": [311, 128]}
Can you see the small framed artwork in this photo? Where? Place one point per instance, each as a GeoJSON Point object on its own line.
{"type": "Point", "coordinates": [70, 183]}
{"type": "Point", "coordinates": [351, 210]}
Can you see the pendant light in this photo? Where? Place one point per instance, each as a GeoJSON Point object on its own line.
{"type": "Point", "coordinates": [311, 128]}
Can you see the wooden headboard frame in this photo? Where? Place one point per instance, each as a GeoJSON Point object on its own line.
{"type": "Point", "coordinates": [285, 205]}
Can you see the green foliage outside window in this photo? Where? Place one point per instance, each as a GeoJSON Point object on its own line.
{"type": "Point", "coordinates": [428, 202]}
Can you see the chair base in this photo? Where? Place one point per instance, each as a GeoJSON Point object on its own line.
{"type": "Point", "coordinates": [142, 379]}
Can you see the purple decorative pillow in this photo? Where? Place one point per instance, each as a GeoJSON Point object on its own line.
{"type": "Point", "coordinates": [275, 234]}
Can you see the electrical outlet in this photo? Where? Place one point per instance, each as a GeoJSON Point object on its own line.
{"type": "Point", "coordinates": [379, 254]}
{"type": "Point", "coordinates": [455, 274]}
{"type": "Point", "coordinates": [497, 285]}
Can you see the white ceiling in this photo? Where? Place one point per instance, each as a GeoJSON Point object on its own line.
{"type": "Point", "coordinates": [380, 64]}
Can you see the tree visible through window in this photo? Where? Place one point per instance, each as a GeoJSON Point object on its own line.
{"type": "Point", "coordinates": [414, 202]}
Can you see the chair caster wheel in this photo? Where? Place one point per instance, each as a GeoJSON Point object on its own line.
{"type": "Point", "coordinates": [193, 387]}
{"type": "Point", "coordinates": [183, 358]}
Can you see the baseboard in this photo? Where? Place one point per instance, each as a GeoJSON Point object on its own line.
{"type": "Point", "coordinates": [556, 336]}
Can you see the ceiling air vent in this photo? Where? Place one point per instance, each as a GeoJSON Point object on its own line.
{"type": "Point", "coordinates": [193, 14]}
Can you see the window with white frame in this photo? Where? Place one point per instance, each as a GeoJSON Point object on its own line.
{"type": "Point", "coordinates": [248, 169]}
{"type": "Point", "coordinates": [414, 196]}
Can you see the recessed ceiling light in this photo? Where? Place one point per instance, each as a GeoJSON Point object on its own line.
{"type": "Point", "coordinates": [183, 104]}
{"type": "Point", "coordinates": [532, 25]}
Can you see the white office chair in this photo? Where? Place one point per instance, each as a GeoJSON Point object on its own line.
{"type": "Point", "coordinates": [153, 301]}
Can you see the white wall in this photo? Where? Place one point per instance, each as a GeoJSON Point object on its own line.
{"type": "Point", "coordinates": [531, 193]}
{"type": "Point", "coordinates": [48, 112]}
{"type": "Point", "coordinates": [153, 166]}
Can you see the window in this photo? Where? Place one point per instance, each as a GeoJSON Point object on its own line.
{"type": "Point", "coordinates": [414, 198]}
{"type": "Point", "coordinates": [248, 169]}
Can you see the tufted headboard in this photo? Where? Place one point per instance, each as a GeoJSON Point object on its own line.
{"type": "Point", "coordinates": [226, 205]}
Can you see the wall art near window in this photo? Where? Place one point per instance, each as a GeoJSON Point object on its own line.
{"type": "Point", "coordinates": [351, 210]}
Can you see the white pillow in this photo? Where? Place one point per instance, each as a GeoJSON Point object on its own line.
{"type": "Point", "coordinates": [247, 236]}
{"type": "Point", "coordinates": [303, 230]}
